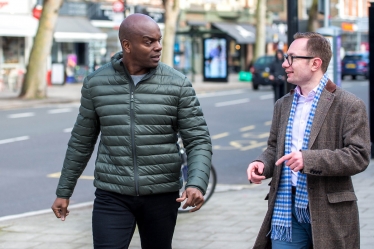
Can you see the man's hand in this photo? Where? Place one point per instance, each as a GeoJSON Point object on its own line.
{"type": "Point", "coordinates": [255, 171]}
{"type": "Point", "coordinates": [60, 208]}
{"type": "Point", "coordinates": [294, 161]}
{"type": "Point", "coordinates": [194, 199]}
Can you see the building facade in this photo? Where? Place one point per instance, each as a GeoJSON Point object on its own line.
{"type": "Point", "coordinates": [17, 29]}
{"type": "Point", "coordinates": [77, 45]}
{"type": "Point", "coordinates": [86, 34]}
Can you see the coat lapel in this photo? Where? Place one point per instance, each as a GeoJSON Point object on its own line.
{"type": "Point", "coordinates": [323, 106]}
{"type": "Point", "coordinates": [284, 115]}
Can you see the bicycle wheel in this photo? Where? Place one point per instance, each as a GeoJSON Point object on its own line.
{"type": "Point", "coordinates": [209, 192]}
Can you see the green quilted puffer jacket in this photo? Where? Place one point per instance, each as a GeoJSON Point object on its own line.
{"type": "Point", "coordinates": [137, 153]}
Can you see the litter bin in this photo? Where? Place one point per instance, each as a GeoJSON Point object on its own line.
{"type": "Point", "coordinates": [57, 74]}
{"type": "Point", "coordinates": [245, 76]}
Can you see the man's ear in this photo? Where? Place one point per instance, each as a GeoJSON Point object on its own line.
{"type": "Point", "coordinates": [125, 46]}
{"type": "Point", "coordinates": [317, 63]}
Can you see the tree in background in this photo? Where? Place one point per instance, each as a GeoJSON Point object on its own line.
{"type": "Point", "coordinates": [34, 85]}
{"type": "Point", "coordinates": [171, 18]}
{"type": "Point", "coordinates": [260, 29]}
{"type": "Point", "coordinates": [313, 24]}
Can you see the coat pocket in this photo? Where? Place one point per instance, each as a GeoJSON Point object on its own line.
{"type": "Point", "coordinates": [341, 197]}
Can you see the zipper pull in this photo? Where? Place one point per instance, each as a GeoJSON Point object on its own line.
{"type": "Point", "coordinates": [132, 101]}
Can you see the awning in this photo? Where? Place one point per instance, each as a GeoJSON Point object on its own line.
{"type": "Point", "coordinates": [241, 32]}
{"type": "Point", "coordinates": [18, 25]}
{"type": "Point", "coordinates": [76, 29]}
{"type": "Point", "coordinates": [244, 33]}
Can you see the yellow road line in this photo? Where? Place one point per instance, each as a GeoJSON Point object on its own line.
{"type": "Point", "coordinates": [254, 145]}
{"type": "Point", "coordinates": [263, 135]}
{"type": "Point", "coordinates": [218, 147]}
{"type": "Point", "coordinates": [221, 135]}
{"type": "Point", "coordinates": [247, 128]}
{"type": "Point", "coordinates": [236, 145]}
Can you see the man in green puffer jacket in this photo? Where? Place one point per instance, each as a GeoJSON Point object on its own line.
{"type": "Point", "coordinates": [137, 105]}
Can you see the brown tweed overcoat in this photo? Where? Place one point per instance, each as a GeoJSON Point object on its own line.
{"type": "Point", "coordinates": [339, 147]}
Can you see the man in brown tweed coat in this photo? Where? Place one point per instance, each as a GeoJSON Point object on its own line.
{"type": "Point", "coordinates": [337, 147]}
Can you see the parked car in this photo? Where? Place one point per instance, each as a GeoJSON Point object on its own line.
{"type": "Point", "coordinates": [260, 71]}
{"type": "Point", "coordinates": [356, 64]}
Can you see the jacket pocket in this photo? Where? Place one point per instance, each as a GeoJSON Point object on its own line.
{"type": "Point", "coordinates": [341, 197]}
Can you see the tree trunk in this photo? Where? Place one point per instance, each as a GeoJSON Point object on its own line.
{"type": "Point", "coordinates": [34, 86]}
{"type": "Point", "coordinates": [260, 29]}
{"type": "Point", "coordinates": [168, 39]}
{"type": "Point", "coordinates": [313, 15]}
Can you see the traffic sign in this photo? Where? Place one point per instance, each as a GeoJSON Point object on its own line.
{"type": "Point", "coordinates": [118, 6]}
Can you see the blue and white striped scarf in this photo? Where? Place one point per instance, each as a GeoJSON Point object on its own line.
{"type": "Point", "coordinates": [281, 228]}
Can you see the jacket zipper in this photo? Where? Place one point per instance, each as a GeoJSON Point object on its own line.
{"type": "Point", "coordinates": [132, 117]}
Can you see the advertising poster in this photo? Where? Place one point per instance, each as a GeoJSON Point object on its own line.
{"type": "Point", "coordinates": [215, 59]}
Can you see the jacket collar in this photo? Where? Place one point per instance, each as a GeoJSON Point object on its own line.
{"type": "Point", "coordinates": [119, 67]}
{"type": "Point", "coordinates": [330, 86]}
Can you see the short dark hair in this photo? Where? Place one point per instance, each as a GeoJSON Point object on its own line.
{"type": "Point", "coordinates": [317, 46]}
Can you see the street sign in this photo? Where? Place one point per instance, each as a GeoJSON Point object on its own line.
{"type": "Point", "coordinates": [37, 11]}
{"type": "Point", "coordinates": [118, 6]}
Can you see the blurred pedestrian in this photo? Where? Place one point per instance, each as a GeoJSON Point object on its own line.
{"type": "Point", "coordinates": [319, 138]}
{"type": "Point", "coordinates": [138, 105]}
{"type": "Point", "coordinates": [278, 75]}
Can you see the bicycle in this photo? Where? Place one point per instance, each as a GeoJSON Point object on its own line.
{"type": "Point", "coordinates": [184, 176]}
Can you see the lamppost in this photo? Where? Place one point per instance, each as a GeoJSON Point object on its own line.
{"type": "Point", "coordinates": [293, 27]}
{"type": "Point", "coordinates": [371, 75]}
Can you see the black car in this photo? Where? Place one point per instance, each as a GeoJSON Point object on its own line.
{"type": "Point", "coordinates": [356, 64]}
{"type": "Point", "coordinates": [260, 71]}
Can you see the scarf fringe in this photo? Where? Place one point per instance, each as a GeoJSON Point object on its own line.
{"type": "Point", "coordinates": [281, 233]}
{"type": "Point", "coordinates": [302, 215]}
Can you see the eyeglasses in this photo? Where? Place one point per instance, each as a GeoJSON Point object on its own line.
{"type": "Point", "coordinates": [290, 58]}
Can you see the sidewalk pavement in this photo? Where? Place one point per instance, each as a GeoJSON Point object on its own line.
{"type": "Point", "coordinates": [230, 219]}
{"type": "Point", "coordinates": [70, 93]}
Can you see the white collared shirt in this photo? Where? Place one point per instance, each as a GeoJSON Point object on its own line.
{"type": "Point", "coordinates": [303, 107]}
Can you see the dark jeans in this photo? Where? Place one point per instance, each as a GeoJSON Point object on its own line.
{"type": "Point", "coordinates": [115, 216]}
{"type": "Point", "coordinates": [301, 234]}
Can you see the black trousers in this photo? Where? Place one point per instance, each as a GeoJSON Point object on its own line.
{"type": "Point", "coordinates": [278, 88]}
{"type": "Point", "coordinates": [115, 216]}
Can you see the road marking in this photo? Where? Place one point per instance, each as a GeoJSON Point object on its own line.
{"type": "Point", "coordinates": [11, 140]}
{"type": "Point", "coordinates": [255, 135]}
{"type": "Point", "coordinates": [221, 135]}
{"type": "Point", "coordinates": [58, 174]}
{"type": "Point", "coordinates": [233, 102]}
{"type": "Point", "coordinates": [61, 110]}
{"type": "Point", "coordinates": [236, 144]}
{"type": "Point", "coordinates": [264, 135]}
{"type": "Point", "coordinates": [253, 146]}
{"type": "Point", "coordinates": [222, 93]}
{"type": "Point", "coordinates": [247, 128]}
{"type": "Point", "coordinates": [68, 130]}
{"type": "Point", "coordinates": [219, 147]}
{"type": "Point", "coordinates": [267, 96]}
{"type": "Point", "coordinates": [21, 115]}
{"type": "Point", "coordinates": [267, 123]}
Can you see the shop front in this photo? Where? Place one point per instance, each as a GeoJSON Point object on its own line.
{"type": "Point", "coordinates": [78, 46]}
{"type": "Point", "coordinates": [17, 29]}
